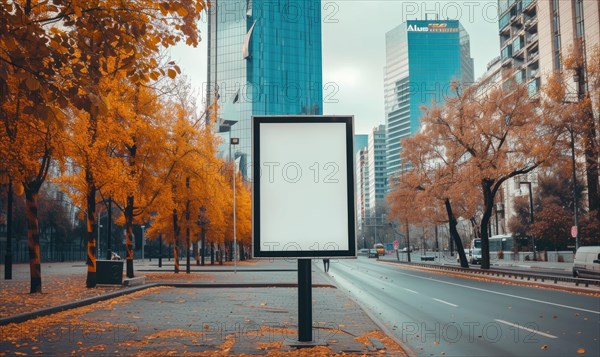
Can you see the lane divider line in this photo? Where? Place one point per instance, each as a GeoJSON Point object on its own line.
{"type": "Point", "coordinates": [445, 302]}
{"type": "Point", "coordinates": [502, 294]}
{"type": "Point", "coordinates": [526, 328]}
{"type": "Point", "coordinates": [412, 291]}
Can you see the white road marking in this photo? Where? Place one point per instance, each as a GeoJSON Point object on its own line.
{"type": "Point", "coordinates": [412, 291]}
{"type": "Point", "coordinates": [526, 328]}
{"type": "Point", "coordinates": [445, 302]}
{"type": "Point", "coordinates": [504, 294]}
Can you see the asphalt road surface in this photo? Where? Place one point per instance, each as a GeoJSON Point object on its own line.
{"type": "Point", "coordinates": [440, 315]}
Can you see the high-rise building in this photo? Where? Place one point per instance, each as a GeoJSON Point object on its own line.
{"type": "Point", "coordinates": [534, 35]}
{"type": "Point", "coordinates": [423, 57]}
{"type": "Point", "coordinates": [362, 186]}
{"type": "Point", "coordinates": [370, 175]}
{"type": "Point", "coordinates": [264, 58]}
{"type": "Point", "coordinates": [360, 141]}
{"type": "Point", "coordinates": [377, 168]}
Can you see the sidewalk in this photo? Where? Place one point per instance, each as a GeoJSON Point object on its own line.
{"type": "Point", "coordinates": [207, 321]}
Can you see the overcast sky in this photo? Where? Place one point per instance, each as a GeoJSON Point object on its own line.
{"type": "Point", "coordinates": [354, 49]}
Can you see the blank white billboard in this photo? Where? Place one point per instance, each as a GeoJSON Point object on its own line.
{"type": "Point", "coordinates": [303, 189]}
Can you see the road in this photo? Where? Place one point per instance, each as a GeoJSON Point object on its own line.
{"type": "Point", "coordinates": [436, 314]}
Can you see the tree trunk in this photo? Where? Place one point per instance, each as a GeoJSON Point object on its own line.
{"type": "Point", "coordinates": [129, 236]}
{"type": "Point", "coordinates": [176, 257]}
{"type": "Point", "coordinates": [33, 240]}
{"type": "Point", "coordinates": [488, 202]}
{"type": "Point", "coordinates": [92, 226]}
{"type": "Point", "coordinates": [454, 234]}
{"type": "Point", "coordinates": [196, 253]}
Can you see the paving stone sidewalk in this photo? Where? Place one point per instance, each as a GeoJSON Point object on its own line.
{"type": "Point", "coordinates": [205, 321]}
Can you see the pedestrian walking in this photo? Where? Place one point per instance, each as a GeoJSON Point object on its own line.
{"type": "Point", "coordinates": [326, 264]}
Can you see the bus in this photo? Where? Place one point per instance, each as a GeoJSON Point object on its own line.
{"type": "Point", "coordinates": [501, 242]}
{"type": "Point", "coordinates": [379, 248]}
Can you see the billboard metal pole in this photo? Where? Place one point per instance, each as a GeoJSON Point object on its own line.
{"type": "Point", "coordinates": [304, 301]}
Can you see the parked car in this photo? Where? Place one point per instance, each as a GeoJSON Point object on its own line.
{"type": "Point", "coordinates": [587, 262]}
{"type": "Point", "coordinates": [373, 253]}
{"type": "Point", "coordinates": [363, 251]}
{"type": "Point", "coordinates": [475, 256]}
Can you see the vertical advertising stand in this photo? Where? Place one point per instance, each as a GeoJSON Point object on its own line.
{"type": "Point", "coordinates": [303, 203]}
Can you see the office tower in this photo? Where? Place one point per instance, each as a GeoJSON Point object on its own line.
{"type": "Point", "coordinates": [264, 58]}
{"type": "Point", "coordinates": [377, 168]}
{"type": "Point", "coordinates": [423, 57]}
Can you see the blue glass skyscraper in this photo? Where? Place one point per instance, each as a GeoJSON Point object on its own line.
{"type": "Point", "coordinates": [264, 59]}
{"type": "Point", "coordinates": [423, 57]}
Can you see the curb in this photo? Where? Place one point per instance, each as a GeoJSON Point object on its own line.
{"type": "Point", "coordinates": [70, 305]}
{"type": "Point", "coordinates": [386, 330]}
{"type": "Point", "coordinates": [240, 285]}
{"type": "Point", "coordinates": [75, 304]}
{"type": "Point", "coordinates": [219, 270]}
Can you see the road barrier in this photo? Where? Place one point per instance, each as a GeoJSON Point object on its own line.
{"type": "Point", "coordinates": [507, 273]}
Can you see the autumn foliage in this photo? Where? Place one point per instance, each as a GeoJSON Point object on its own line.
{"type": "Point", "coordinates": [480, 137]}
{"type": "Point", "coordinates": [469, 146]}
{"type": "Point", "coordinates": [85, 88]}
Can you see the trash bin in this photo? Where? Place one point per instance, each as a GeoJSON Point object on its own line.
{"type": "Point", "coordinates": [109, 272]}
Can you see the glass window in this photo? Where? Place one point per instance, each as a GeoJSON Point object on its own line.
{"type": "Point", "coordinates": [506, 52]}
{"type": "Point", "coordinates": [517, 44]}
{"type": "Point", "coordinates": [504, 20]}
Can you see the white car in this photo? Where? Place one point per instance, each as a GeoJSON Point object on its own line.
{"type": "Point", "coordinates": [473, 256]}
{"type": "Point", "coordinates": [587, 262]}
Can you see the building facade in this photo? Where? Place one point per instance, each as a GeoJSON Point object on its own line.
{"type": "Point", "coordinates": [264, 58]}
{"type": "Point", "coordinates": [423, 57]}
{"type": "Point", "coordinates": [534, 36]}
{"type": "Point", "coordinates": [377, 167]}
{"type": "Point", "coordinates": [362, 185]}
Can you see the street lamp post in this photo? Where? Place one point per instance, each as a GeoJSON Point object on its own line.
{"type": "Point", "coordinates": [234, 141]}
{"type": "Point", "coordinates": [530, 213]}
{"type": "Point", "coordinates": [98, 246]}
{"type": "Point", "coordinates": [373, 225]}
{"type": "Point", "coordinates": [226, 126]}
{"type": "Point", "coordinates": [575, 199]}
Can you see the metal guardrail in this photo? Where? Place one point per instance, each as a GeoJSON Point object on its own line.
{"type": "Point", "coordinates": [507, 273]}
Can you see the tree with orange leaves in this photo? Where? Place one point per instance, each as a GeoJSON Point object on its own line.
{"type": "Point", "coordinates": [497, 135]}
{"type": "Point", "coordinates": [111, 38]}
{"type": "Point", "coordinates": [436, 177]}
